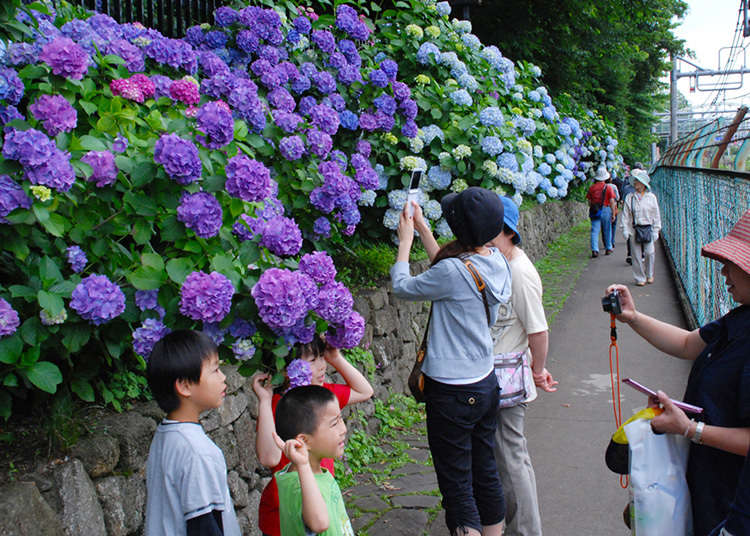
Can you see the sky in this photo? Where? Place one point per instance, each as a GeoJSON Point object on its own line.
{"type": "Point", "coordinates": [708, 26]}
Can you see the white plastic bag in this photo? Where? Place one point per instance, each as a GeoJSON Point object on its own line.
{"type": "Point", "coordinates": [660, 500]}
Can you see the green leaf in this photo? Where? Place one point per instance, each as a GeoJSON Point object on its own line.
{"type": "Point", "coordinates": [142, 231]}
{"type": "Point", "coordinates": [20, 291]}
{"type": "Point", "coordinates": [29, 357]}
{"type": "Point", "coordinates": [124, 164]}
{"type": "Point", "coordinates": [155, 120]}
{"type": "Point", "coordinates": [53, 223]}
{"type": "Point", "coordinates": [83, 389]}
{"type": "Point", "coordinates": [467, 122]}
{"type": "Point", "coordinates": [88, 107]}
{"type": "Point", "coordinates": [152, 260]}
{"type": "Point", "coordinates": [52, 303]}
{"type": "Point", "coordinates": [10, 380]}
{"type": "Point", "coordinates": [76, 336]}
{"type": "Point", "coordinates": [10, 348]}
{"type": "Point", "coordinates": [6, 403]}
{"type": "Point", "coordinates": [171, 229]}
{"type": "Point", "coordinates": [30, 330]}
{"type": "Point", "coordinates": [249, 253]}
{"type": "Point", "coordinates": [141, 203]}
{"type": "Point", "coordinates": [63, 289]}
{"type": "Point", "coordinates": [142, 174]}
{"type": "Point", "coordinates": [32, 71]}
{"type": "Point", "coordinates": [179, 269]}
{"type": "Point", "coordinates": [146, 278]}
{"type": "Point", "coordinates": [256, 141]}
{"type": "Point", "coordinates": [44, 375]}
{"type": "Point", "coordinates": [49, 273]}
{"type": "Point", "coordinates": [90, 143]}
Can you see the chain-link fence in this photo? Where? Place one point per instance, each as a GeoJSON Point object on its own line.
{"type": "Point", "coordinates": [697, 207]}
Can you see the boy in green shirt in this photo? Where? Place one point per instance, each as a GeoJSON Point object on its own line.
{"type": "Point", "coordinates": [310, 427]}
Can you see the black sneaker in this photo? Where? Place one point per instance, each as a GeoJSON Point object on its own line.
{"type": "Point", "coordinates": [628, 260]}
{"type": "Point", "coordinates": [594, 254]}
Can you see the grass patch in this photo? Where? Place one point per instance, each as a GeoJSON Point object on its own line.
{"type": "Point", "coordinates": [562, 266]}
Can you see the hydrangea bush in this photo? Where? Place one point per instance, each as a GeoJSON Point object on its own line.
{"type": "Point", "coordinates": [485, 120]}
{"type": "Point", "coordinates": [151, 184]}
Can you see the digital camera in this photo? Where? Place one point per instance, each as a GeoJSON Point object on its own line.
{"type": "Point", "coordinates": [611, 303]}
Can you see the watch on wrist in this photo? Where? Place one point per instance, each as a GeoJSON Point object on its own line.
{"type": "Point", "coordinates": [698, 434]}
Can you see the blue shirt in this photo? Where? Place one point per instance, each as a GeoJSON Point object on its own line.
{"type": "Point", "coordinates": [459, 344]}
{"type": "Point", "coordinates": [719, 383]}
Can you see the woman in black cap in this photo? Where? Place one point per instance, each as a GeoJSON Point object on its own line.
{"type": "Point", "coordinates": [461, 388]}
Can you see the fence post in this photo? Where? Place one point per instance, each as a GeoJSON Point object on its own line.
{"type": "Point", "coordinates": [728, 135]}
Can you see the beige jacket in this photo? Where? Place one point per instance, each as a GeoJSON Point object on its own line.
{"type": "Point", "coordinates": [646, 210]}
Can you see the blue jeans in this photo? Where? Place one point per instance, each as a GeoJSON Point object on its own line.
{"type": "Point", "coordinates": [461, 423]}
{"type": "Point", "coordinates": [603, 225]}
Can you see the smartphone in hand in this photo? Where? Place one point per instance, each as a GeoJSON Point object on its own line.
{"type": "Point", "coordinates": [684, 406]}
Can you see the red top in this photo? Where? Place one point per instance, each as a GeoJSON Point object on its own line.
{"type": "Point", "coordinates": [595, 193]}
{"type": "Point", "coordinates": [268, 511]}
{"type": "Point", "coordinates": [610, 194]}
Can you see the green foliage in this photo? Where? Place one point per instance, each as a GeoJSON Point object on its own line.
{"type": "Point", "coordinates": [363, 360]}
{"type": "Point", "coordinates": [609, 55]}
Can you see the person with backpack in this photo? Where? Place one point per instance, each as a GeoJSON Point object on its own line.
{"type": "Point", "coordinates": [601, 198]}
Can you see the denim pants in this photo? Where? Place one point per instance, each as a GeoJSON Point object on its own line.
{"type": "Point", "coordinates": [461, 423]}
{"type": "Point", "coordinates": [603, 225]}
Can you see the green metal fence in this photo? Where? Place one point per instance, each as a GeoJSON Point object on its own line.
{"type": "Point", "coordinates": [697, 207]}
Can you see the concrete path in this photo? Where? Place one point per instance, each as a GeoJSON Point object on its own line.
{"type": "Point", "coordinates": [567, 431]}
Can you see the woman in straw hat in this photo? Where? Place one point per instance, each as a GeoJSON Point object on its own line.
{"type": "Point", "coordinates": [719, 382]}
{"type": "Point", "coordinates": [461, 389]}
{"type": "Point", "coordinates": [640, 209]}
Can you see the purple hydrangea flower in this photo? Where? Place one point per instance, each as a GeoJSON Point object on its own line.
{"type": "Point", "coordinates": [206, 297]}
{"type": "Point", "coordinates": [269, 53]}
{"type": "Point", "coordinates": [66, 58]}
{"type": "Point", "coordinates": [368, 121]}
{"type": "Point", "coordinates": [337, 60]}
{"type": "Point", "coordinates": [306, 104]}
{"type": "Point", "coordinates": [286, 121]}
{"type": "Point", "coordinates": [147, 335]}
{"type": "Point", "coordinates": [103, 164]}
{"type": "Point", "coordinates": [281, 297]}
{"type": "Point", "coordinates": [56, 172]}
{"type": "Point", "coordinates": [179, 158]}
{"type": "Point", "coordinates": [386, 104]}
{"type": "Point", "coordinates": [214, 331]}
{"type": "Point", "coordinates": [11, 86]}
{"type": "Point", "coordinates": [161, 86]}
{"type": "Point", "coordinates": [12, 196]}
{"type": "Point", "coordinates": [200, 212]}
{"type": "Point", "coordinates": [134, 60]}
{"type": "Point", "coordinates": [173, 52]}
{"type": "Point", "coordinates": [243, 349]}
{"type": "Point", "coordinates": [349, 120]}
{"type": "Point", "coordinates": [292, 147]}
{"type": "Point", "coordinates": [378, 78]}
{"type": "Point", "coordinates": [225, 16]}
{"type": "Point", "coordinates": [248, 41]}
{"type": "Point", "coordinates": [390, 68]}
{"type": "Point", "coordinates": [319, 142]}
{"type": "Point", "coordinates": [30, 147]}
{"type": "Point", "coordinates": [299, 373]}
{"type": "Point", "coordinates": [147, 299]}
{"type": "Point", "coordinates": [319, 266]}
{"type": "Point", "coordinates": [334, 302]}
{"type": "Point", "coordinates": [325, 118]}
{"type": "Point", "coordinates": [410, 129]}
{"type": "Point", "coordinates": [349, 74]}
{"type": "Point", "coordinates": [348, 333]}
{"type": "Point", "coordinates": [282, 236]}
{"type": "Point", "coordinates": [325, 82]}
{"type": "Point", "coordinates": [8, 114]}
{"type": "Point", "coordinates": [9, 320]}
{"type": "Point", "coordinates": [364, 148]}
{"type": "Point", "coordinates": [400, 90]}
{"type": "Point", "coordinates": [408, 108]}
{"type": "Point", "coordinates": [212, 64]}
{"type": "Point", "coordinates": [241, 328]}
{"type": "Point", "coordinates": [194, 35]}
{"type": "Point", "coordinates": [76, 258]}
{"type": "Point", "coordinates": [300, 83]}
{"type": "Point", "coordinates": [215, 120]}
{"type": "Point", "coordinates": [322, 227]}
{"type": "Point", "coordinates": [280, 98]}
{"type": "Point", "coordinates": [308, 69]}
{"type": "Point", "coordinates": [22, 54]}
{"type": "Point", "coordinates": [120, 144]}
{"type": "Point", "coordinates": [385, 121]}
{"type": "Point", "coordinates": [97, 299]}
{"type": "Point", "coordinates": [247, 179]}
{"type": "Point", "coordinates": [335, 101]}
{"type": "Point", "coordinates": [324, 40]}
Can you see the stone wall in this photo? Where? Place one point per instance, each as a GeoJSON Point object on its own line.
{"type": "Point", "coordinates": [100, 488]}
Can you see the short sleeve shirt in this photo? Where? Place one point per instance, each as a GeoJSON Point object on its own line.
{"type": "Point", "coordinates": [610, 194]}
{"type": "Point", "coordinates": [186, 477]}
{"type": "Point", "coordinates": [268, 511]}
{"type": "Point", "coordinates": [290, 500]}
{"type": "Point", "coordinates": [719, 383]}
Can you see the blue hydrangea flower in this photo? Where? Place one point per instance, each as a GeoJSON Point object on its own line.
{"type": "Point", "coordinates": [541, 198]}
{"type": "Point", "coordinates": [491, 117]}
{"type": "Point", "coordinates": [544, 169]}
{"type": "Point", "coordinates": [76, 258]}
{"type": "Point", "coordinates": [439, 178]}
{"type": "Point", "coordinates": [491, 145]}
{"type": "Point", "coordinates": [564, 129]}
{"type": "Point", "coordinates": [427, 52]}
{"type": "Point", "coordinates": [443, 9]}
{"type": "Point", "coordinates": [368, 198]}
{"type": "Point", "coordinates": [432, 209]}
{"type": "Point", "coordinates": [508, 161]}
{"type": "Point", "coordinates": [147, 335]}
{"type": "Point", "coordinates": [391, 219]}
{"type": "Point", "coordinates": [12, 196]}
{"type": "Point", "coordinates": [443, 229]}
{"type": "Point", "coordinates": [322, 227]}
{"type": "Point", "coordinates": [461, 97]}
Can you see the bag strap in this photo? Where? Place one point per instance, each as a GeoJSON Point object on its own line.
{"type": "Point", "coordinates": [426, 330]}
{"type": "Point", "coordinates": [481, 285]}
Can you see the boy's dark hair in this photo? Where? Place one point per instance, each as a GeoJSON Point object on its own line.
{"type": "Point", "coordinates": [507, 231]}
{"type": "Point", "coordinates": [177, 356]}
{"type": "Point", "coordinates": [298, 411]}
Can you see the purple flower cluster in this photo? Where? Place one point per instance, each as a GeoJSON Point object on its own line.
{"type": "Point", "coordinates": [76, 258]}
{"type": "Point", "coordinates": [66, 58]}
{"type": "Point", "coordinates": [43, 162]}
{"type": "Point", "coordinates": [97, 299]}
{"type": "Point", "coordinates": [319, 142]}
{"type": "Point", "coordinates": [120, 144]}
{"type": "Point", "coordinates": [281, 99]}
{"type": "Point", "coordinates": [225, 16]}
{"type": "Point", "coordinates": [299, 373]}
{"type": "Point", "coordinates": [12, 197]}
{"type": "Point", "coordinates": [325, 118]}
{"type": "Point", "coordinates": [215, 120]}
{"type": "Point", "coordinates": [348, 20]}
{"type": "Point", "coordinates": [322, 227]}
{"type": "Point", "coordinates": [206, 297]}
{"type": "Point", "coordinates": [147, 300]}
{"type": "Point", "coordinates": [292, 147]}
{"type": "Point", "coordinates": [147, 335]}
{"type": "Point", "coordinates": [173, 52]}
{"type": "Point", "coordinates": [286, 121]}
{"type": "Point", "coordinates": [348, 333]}
{"type": "Point", "coordinates": [11, 86]}
{"type": "Point", "coordinates": [179, 157]}
{"type": "Point", "coordinates": [282, 297]}
{"type": "Point", "coordinates": [134, 60]}
{"type": "Point", "coordinates": [247, 179]}
{"type": "Point", "coordinates": [103, 165]}
{"type": "Point", "coordinates": [200, 212]}
{"type": "Point", "coordinates": [55, 112]}
{"type": "Point", "coordinates": [334, 302]}
{"type": "Point", "coordinates": [9, 320]}
{"type": "Point", "coordinates": [282, 236]}
{"type": "Point", "coordinates": [242, 328]}
{"type": "Point", "coordinates": [319, 266]}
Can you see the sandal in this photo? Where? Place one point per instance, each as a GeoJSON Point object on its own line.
{"type": "Point", "coordinates": [640, 283]}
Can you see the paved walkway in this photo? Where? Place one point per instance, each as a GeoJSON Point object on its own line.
{"type": "Point", "coordinates": [567, 431]}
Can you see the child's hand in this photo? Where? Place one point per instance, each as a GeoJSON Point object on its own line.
{"type": "Point", "coordinates": [331, 354]}
{"type": "Point", "coordinates": [262, 386]}
{"type": "Point", "coordinates": [294, 449]}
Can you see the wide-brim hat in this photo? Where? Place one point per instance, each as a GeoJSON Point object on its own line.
{"type": "Point", "coordinates": [641, 176]}
{"type": "Point", "coordinates": [510, 216]}
{"type": "Point", "coordinates": [601, 174]}
{"type": "Point", "coordinates": [734, 247]}
{"type": "Point", "coordinates": [475, 215]}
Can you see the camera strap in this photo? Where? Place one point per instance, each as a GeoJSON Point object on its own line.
{"type": "Point", "coordinates": [614, 380]}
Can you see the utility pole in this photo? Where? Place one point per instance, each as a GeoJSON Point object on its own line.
{"type": "Point", "coordinates": [673, 101]}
